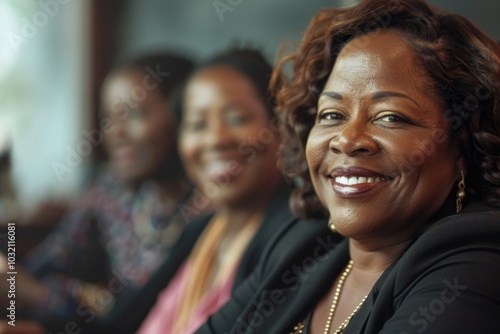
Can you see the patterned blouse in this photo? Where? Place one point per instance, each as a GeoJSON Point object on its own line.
{"type": "Point", "coordinates": [113, 238]}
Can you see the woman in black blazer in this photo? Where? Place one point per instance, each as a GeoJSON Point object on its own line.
{"type": "Point", "coordinates": [130, 313]}
{"type": "Point", "coordinates": [392, 124]}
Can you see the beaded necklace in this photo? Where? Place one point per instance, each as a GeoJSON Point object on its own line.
{"type": "Point", "coordinates": [299, 328]}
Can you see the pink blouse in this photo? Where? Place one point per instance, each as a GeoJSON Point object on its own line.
{"type": "Point", "coordinates": [161, 317]}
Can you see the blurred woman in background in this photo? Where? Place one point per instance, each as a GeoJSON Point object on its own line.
{"type": "Point", "coordinates": [228, 147]}
{"type": "Point", "coordinates": [118, 234]}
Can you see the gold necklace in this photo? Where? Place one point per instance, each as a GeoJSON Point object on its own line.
{"type": "Point", "coordinates": [298, 329]}
{"type": "Point", "coordinates": [335, 301]}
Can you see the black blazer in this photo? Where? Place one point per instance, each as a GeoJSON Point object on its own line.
{"type": "Point", "coordinates": [130, 312]}
{"type": "Point", "coordinates": [448, 281]}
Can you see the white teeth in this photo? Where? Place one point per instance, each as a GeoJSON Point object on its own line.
{"type": "Point", "coordinates": [353, 180]}
{"type": "Point", "coordinates": [356, 180]}
{"type": "Point", "coordinates": [218, 167]}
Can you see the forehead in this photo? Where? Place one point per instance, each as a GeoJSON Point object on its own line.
{"type": "Point", "coordinates": [123, 80]}
{"type": "Point", "coordinates": [220, 80]}
{"type": "Point", "coordinates": [219, 86]}
{"type": "Point", "coordinates": [381, 60]}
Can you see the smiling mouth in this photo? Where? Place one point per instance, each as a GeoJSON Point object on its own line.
{"type": "Point", "coordinates": [222, 171]}
{"type": "Point", "coordinates": [354, 180]}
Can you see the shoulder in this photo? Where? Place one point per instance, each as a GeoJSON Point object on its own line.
{"type": "Point", "coordinates": [193, 230]}
{"type": "Point", "coordinates": [477, 225]}
{"type": "Point", "coordinates": [186, 241]}
{"type": "Point", "coordinates": [276, 215]}
{"type": "Point", "coordinates": [460, 243]}
{"type": "Point", "coordinates": [297, 238]}
{"type": "Point", "coordinates": [447, 277]}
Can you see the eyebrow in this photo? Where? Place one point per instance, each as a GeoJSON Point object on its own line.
{"type": "Point", "coordinates": [333, 95]}
{"type": "Point", "coordinates": [377, 96]}
{"type": "Point", "coordinates": [385, 94]}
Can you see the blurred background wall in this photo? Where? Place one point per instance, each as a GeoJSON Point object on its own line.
{"type": "Point", "coordinates": [44, 100]}
{"type": "Point", "coordinates": [55, 53]}
{"type": "Point", "coordinates": [195, 26]}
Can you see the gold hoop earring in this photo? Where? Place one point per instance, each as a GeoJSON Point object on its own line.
{"type": "Point", "coordinates": [461, 192]}
{"type": "Point", "coordinates": [331, 226]}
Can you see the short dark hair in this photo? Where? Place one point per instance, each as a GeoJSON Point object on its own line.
{"type": "Point", "coordinates": [178, 69]}
{"type": "Point", "coordinates": [462, 62]}
{"type": "Point", "coordinates": [251, 64]}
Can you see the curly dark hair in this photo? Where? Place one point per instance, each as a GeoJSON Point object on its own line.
{"type": "Point", "coordinates": [462, 62]}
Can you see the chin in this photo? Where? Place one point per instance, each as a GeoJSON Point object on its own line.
{"type": "Point", "coordinates": [131, 177]}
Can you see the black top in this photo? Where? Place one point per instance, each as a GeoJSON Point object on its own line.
{"type": "Point", "coordinates": [447, 281]}
{"type": "Point", "coordinates": [128, 314]}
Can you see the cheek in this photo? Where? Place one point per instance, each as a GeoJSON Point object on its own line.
{"type": "Point", "coordinates": [315, 151]}
{"type": "Point", "coordinates": [138, 131]}
{"type": "Point", "coordinates": [188, 151]}
{"type": "Point", "coordinates": [255, 136]}
{"type": "Point", "coordinates": [421, 153]}
{"type": "Point", "coordinates": [442, 166]}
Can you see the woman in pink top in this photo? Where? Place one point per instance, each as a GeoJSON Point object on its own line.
{"type": "Point", "coordinates": [228, 143]}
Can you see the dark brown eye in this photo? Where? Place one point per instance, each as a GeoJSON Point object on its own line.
{"type": "Point", "coordinates": [392, 118]}
{"type": "Point", "coordinates": [330, 116]}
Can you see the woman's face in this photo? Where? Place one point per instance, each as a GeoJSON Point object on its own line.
{"type": "Point", "coordinates": [141, 136]}
{"type": "Point", "coordinates": [379, 156]}
{"type": "Point", "coordinates": [227, 141]}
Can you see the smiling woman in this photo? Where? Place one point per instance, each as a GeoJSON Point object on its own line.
{"type": "Point", "coordinates": [223, 118]}
{"type": "Point", "coordinates": [141, 140]}
{"type": "Point", "coordinates": [391, 122]}
{"type": "Point", "coordinates": [368, 124]}
{"type": "Point", "coordinates": [226, 108]}
{"type": "Point", "coordinates": [121, 230]}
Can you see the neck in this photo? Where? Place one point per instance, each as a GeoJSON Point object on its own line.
{"type": "Point", "coordinates": [169, 190]}
{"type": "Point", "coordinates": [238, 218]}
{"type": "Point", "coordinates": [173, 189]}
{"type": "Point", "coordinates": [239, 212]}
{"type": "Point", "coordinates": [376, 253]}
{"type": "Point", "coordinates": [376, 259]}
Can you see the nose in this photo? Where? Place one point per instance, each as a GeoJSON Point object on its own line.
{"type": "Point", "coordinates": [117, 132]}
{"type": "Point", "coordinates": [119, 128]}
{"type": "Point", "coordinates": [354, 138]}
{"type": "Point", "coordinates": [218, 136]}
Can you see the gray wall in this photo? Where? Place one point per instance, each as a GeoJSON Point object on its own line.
{"type": "Point", "coordinates": [194, 26]}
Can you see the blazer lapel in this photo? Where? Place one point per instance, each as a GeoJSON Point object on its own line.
{"type": "Point", "coordinates": [315, 276]}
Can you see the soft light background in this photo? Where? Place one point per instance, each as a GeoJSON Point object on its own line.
{"type": "Point", "coordinates": [44, 86]}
